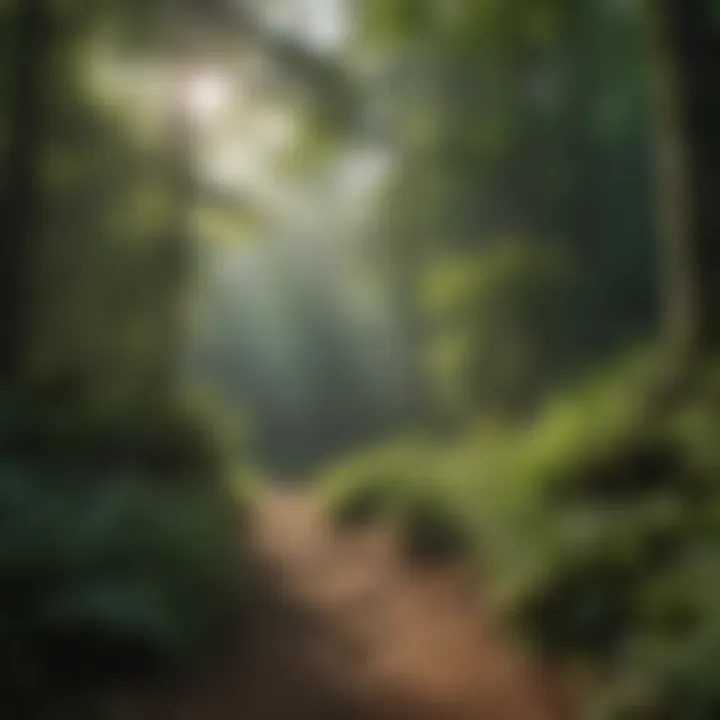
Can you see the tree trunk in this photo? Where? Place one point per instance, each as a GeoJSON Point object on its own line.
{"type": "Point", "coordinates": [21, 201]}
{"type": "Point", "coordinates": [689, 65]}
{"type": "Point", "coordinates": [176, 251]}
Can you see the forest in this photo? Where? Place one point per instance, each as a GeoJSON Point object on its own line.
{"type": "Point", "coordinates": [359, 360]}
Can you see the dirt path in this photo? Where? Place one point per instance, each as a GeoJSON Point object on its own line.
{"type": "Point", "coordinates": [347, 630]}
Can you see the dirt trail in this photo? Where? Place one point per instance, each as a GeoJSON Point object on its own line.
{"type": "Point", "coordinates": [347, 630]}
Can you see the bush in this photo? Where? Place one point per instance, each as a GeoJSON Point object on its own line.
{"type": "Point", "coordinates": [108, 575]}
{"type": "Point", "coordinates": [501, 318]}
{"type": "Point", "coordinates": [624, 535]}
{"type": "Point", "coordinates": [368, 487]}
{"type": "Point", "coordinates": [597, 527]}
{"type": "Point", "coordinates": [431, 530]}
{"type": "Point", "coordinates": [365, 503]}
{"type": "Point", "coordinates": [174, 440]}
{"type": "Point", "coordinates": [403, 485]}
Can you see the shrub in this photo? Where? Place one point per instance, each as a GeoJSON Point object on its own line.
{"type": "Point", "coordinates": [365, 502]}
{"type": "Point", "coordinates": [368, 487]}
{"type": "Point", "coordinates": [623, 535]}
{"type": "Point", "coordinates": [111, 573]}
{"type": "Point", "coordinates": [119, 546]}
{"type": "Point", "coordinates": [403, 485]}
{"type": "Point", "coordinates": [431, 530]}
{"type": "Point", "coordinates": [173, 440]}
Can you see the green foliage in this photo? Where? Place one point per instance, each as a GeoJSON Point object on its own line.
{"type": "Point", "coordinates": [178, 440]}
{"type": "Point", "coordinates": [516, 120]}
{"type": "Point", "coordinates": [596, 528]}
{"type": "Point", "coordinates": [572, 436]}
{"type": "Point", "coordinates": [368, 488]}
{"type": "Point", "coordinates": [400, 485]}
{"type": "Point", "coordinates": [613, 559]}
{"type": "Point", "coordinates": [431, 528]}
{"type": "Point", "coordinates": [366, 502]}
{"type": "Point", "coordinates": [108, 574]}
{"type": "Point", "coordinates": [502, 324]}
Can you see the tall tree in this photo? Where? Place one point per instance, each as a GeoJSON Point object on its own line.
{"type": "Point", "coordinates": [29, 61]}
{"type": "Point", "coordinates": [689, 55]}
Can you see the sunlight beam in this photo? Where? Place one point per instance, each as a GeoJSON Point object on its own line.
{"type": "Point", "coordinates": [207, 97]}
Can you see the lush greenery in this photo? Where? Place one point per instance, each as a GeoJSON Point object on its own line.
{"type": "Point", "coordinates": [595, 527]}
{"type": "Point", "coordinates": [120, 542]}
{"type": "Point", "coordinates": [519, 230]}
{"type": "Point", "coordinates": [108, 575]}
{"type": "Point", "coordinates": [470, 314]}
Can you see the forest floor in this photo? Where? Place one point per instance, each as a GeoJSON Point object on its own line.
{"type": "Point", "coordinates": [345, 628]}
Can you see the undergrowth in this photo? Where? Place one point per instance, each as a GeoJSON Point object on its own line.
{"type": "Point", "coordinates": [120, 553]}
{"type": "Point", "coordinates": [596, 527]}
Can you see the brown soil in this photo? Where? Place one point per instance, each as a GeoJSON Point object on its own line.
{"type": "Point", "coordinates": [346, 629]}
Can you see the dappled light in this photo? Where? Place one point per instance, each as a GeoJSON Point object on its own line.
{"type": "Point", "coordinates": [207, 96]}
{"type": "Point", "coordinates": [359, 360]}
